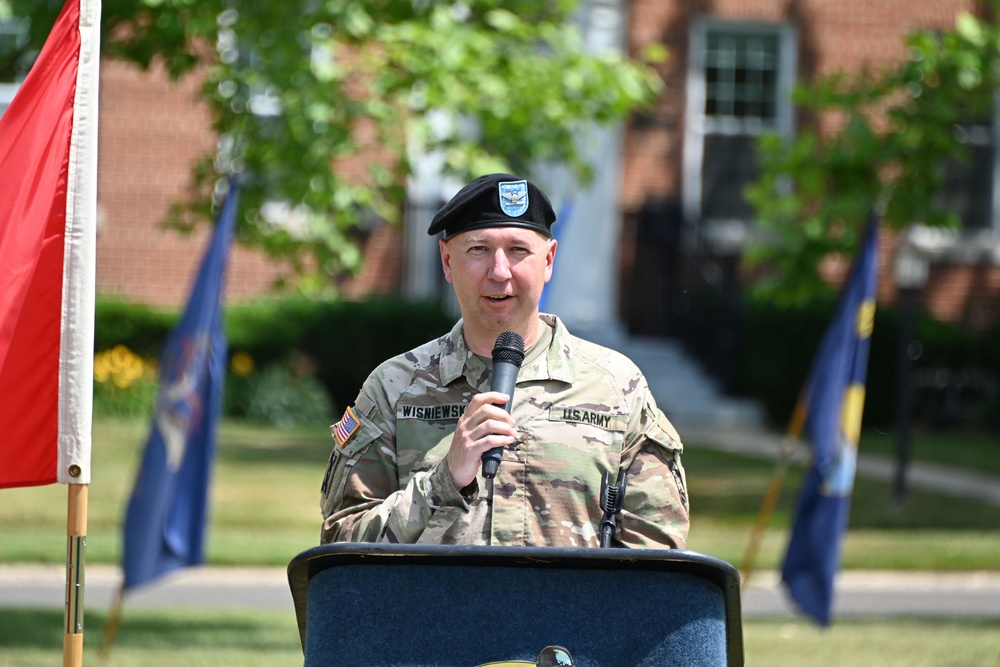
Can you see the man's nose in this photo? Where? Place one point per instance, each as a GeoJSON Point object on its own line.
{"type": "Point", "coordinates": [501, 266]}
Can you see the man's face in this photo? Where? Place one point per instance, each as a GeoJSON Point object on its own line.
{"type": "Point", "coordinates": [498, 274]}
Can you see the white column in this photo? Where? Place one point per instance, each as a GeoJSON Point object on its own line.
{"type": "Point", "coordinates": [584, 287]}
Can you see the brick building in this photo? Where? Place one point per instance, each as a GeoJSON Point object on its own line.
{"type": "Point", "coordinates": [671, 179]}
{"type": "Point", "coordinates": [695, 149]}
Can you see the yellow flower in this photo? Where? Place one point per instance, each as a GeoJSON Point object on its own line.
{"type": "Point", "coordinates": [120, 366]}
{"type": "Point", "coordinates": [242, 364]}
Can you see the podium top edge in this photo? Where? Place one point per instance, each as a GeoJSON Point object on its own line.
{"type": "Point", "coordinates": [349, 551]}
{"type": "Point", "coordinates": [317, 559]}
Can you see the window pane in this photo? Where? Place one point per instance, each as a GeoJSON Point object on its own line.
{"type": "Point", "coordinates": [740, 75]}
{"type": "Point", "coordinates": [968, 184]}
{"type": "Point", "coordinates": [730, 163]}
{"type": "Point", "coordinates": [15, 60]}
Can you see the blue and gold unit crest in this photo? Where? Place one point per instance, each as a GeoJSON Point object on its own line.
{"type": "Point", "coordinates": [513, 198]}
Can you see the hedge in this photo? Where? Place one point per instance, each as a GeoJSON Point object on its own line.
{"type": "Point", "coordinates": [954, 371]}
{"type": "Point", "coordinates": [338, 343]}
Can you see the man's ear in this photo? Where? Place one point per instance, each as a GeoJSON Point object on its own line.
{"type": "Point", "coordinates": [445, 260]}
{"type": "Point", "coordinates": [550, 258]}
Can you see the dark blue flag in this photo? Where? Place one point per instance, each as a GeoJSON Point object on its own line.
{"type": "Point", "coordinates": [165, 520]}
{"type": "Point", "coordinates": [565, 212]}
{"type": "Point", "coordinates": [833, 402]}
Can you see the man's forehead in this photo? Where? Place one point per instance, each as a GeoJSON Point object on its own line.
{"type": "Point", "coordinates": [493, 235]}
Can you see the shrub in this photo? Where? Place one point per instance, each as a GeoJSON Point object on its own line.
{"type": "Point", "coordinates": [140, 328]}
{"type": "Point", "coordinates": [303, 347]}
{"type": "Point", "coordinates": [124, 383]}
{"type": "Point", "coordinates": [781, 344]}
{"type": "Point", "coordinates": [278, 397]}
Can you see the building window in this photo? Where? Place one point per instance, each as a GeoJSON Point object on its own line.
{"type": "Point", "coordinates": [741, 75]}
{"type": "Point", "coordinates": [739, 82]}
{"type": "Point", "coordinates": [7, 91]}
{"type": "Point", "coordinates": [968, 183]}
{"type": "Point", "coordinates": [15, 60]}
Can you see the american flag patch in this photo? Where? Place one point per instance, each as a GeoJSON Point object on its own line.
{"type": "Point", "coordinates": [346, 427]}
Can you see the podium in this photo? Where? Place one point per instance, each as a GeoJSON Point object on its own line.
{"type": "Point", "coordinates": [376, 605]}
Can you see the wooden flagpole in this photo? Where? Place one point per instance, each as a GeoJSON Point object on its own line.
{"type": "Point", "coordinates": [111, 628]}
{"type": "Point", "coordinates": [76, 547]}
{"type": "Point", "coordinates": [773, 492]}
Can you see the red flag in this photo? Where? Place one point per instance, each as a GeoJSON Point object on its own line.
{"type": "Point", "coordinates": [48, 214]}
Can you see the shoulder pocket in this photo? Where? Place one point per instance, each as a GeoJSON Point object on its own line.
{"type": "Point", "coordinates": [659, 429]}
{"type": "Point", "coordinates": [663, 433]}
{"type": "Point", "coordinates": [343, 457]}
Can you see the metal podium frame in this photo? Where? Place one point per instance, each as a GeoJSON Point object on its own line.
{"type": "Point", "coordinates": [714, 570]}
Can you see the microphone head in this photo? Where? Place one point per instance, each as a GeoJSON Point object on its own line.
{"type": "Point", "coordinates": [510, 348]}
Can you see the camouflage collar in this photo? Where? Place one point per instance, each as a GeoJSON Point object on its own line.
{"type": "Point", "coordinates": [457, 360]}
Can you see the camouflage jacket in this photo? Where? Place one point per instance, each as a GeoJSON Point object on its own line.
{"type": "Point", "coordinates": [581, 410]}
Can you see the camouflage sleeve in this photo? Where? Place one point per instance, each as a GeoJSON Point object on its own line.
{"type": "Point", "coordinates": [655, 514]}
{"type": "Point", "coordinates": [360, 497]}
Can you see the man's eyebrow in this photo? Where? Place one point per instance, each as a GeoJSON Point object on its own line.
{"type": "Point", "coordinates": [519, 239]}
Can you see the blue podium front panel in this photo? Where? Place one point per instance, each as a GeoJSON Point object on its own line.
{"type": "Point", "coordinates": [404, 605]}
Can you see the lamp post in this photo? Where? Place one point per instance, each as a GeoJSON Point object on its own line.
{"type": "Point", "coordinates": [910, 270]}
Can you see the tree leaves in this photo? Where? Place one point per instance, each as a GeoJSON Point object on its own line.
{"type": "Point", "coordinates": [303, 92]}
{"type": "Point", "coordinates": [897, 130]}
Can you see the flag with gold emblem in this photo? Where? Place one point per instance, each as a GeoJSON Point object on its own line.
{"type": "Point", "coordinates": [831, 406]}
{"type": "Point", "coordinates": [167, 512]}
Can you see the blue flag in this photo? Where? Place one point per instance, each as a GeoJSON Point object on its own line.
{"type": "Point", "coordinates": [833, 402]}
{"type": "Point", "coordinates": [565, 212]}
{"type": "Point", "coordinates": [165, 520]}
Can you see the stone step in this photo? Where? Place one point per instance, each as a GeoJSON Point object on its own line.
{"type": "Point", "coordinates": [687, 395]}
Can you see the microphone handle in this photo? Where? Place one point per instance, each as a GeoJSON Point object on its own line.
{"type": "Point", "coordinates": [504, 380]}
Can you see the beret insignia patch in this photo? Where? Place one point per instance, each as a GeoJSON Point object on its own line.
{"type": "Point", "coordinates": [513, 197]}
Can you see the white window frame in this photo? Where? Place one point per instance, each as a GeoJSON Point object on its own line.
{"type": "Point", "coordinates": [698, 126]}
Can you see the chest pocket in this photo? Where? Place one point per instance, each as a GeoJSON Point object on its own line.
{"type": "Point", "coordinates": [601, 420]}
{"type": "Point", "coordinates": [579, 437]}
{"type": "Point", "coordinates": [420, 443]}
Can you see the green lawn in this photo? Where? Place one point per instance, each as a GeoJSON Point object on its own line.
{"type": "Point", "coordinates": [199, 638]}
{"type": "Point", "coordinates": [265, 498]}
{"type": "Point", "coordinates": [266, 490]}
{"type": "Point", "coordinates": [975, 451]}
{"type": "Point", "coordinates": [930, 532]}
{"type": "Point", "coordinates": [265, 511]}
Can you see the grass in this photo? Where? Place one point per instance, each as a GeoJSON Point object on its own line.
{"type": "Point", "coordinates": [151, 638]}
{"type": "Point", "coordinates": [265, 511]}
{"type": "Point", "coordinates": [266, 494]}
{"type": "Point", "coordinates": [869, 641]}
{"type": "Point", "coordinates": [930, 532]}
{"type": "Point", "coordinates": [962, 449]}
{"type": "Point", "coordinates": [265, 498]}
{"type": "Point", "coordinates": [199, 638]}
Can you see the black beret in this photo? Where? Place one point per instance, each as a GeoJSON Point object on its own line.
{"type": "Point", "coordinates": [495, 200]}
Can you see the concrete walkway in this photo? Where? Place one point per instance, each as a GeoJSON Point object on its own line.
{"type": "Point", "coordinates": [955, 482]}
{"type": "Point", "coordinates": [858, 593]}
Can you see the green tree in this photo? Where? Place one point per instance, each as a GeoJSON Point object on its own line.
{"type": "Point", "coordinates": [296, 87]}
{"type": "Point", "coordinates": [896, 133]}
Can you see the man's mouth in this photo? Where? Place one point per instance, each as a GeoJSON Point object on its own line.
{"type": "Point", "coordinates": [502, 297]}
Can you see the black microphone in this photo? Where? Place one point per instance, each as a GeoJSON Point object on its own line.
{"type": "Point", "coordinates": [612, 501]}
{"type": "Point", "coordinates": [508, 353]}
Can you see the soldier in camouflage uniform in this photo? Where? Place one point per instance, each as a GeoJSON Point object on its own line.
{"type": "Point", "coordinates": [405, 466]}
